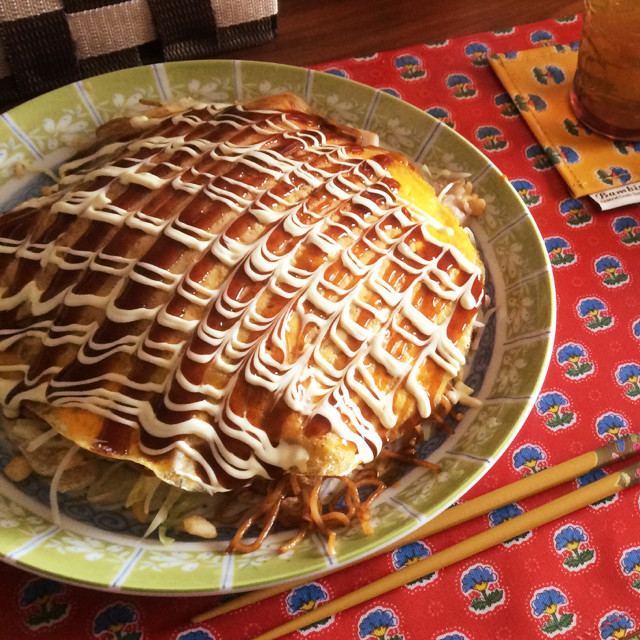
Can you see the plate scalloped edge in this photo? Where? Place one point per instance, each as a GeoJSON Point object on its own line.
{"type": "Point", "coordinates": [45, 130]}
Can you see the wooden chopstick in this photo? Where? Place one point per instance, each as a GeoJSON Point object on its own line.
{"type": "Point", "coordinates": [531, 485]}
{"type": "Point", "coordinates": [543, 514]}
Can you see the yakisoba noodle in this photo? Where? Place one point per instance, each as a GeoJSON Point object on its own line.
{"type": "Point", "coordinates": [232, 296]}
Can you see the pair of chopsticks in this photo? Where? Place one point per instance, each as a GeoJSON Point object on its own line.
{"type": "Point", "coordinates": [613, 451]}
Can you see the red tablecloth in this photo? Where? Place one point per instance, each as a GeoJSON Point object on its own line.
{"type": "Point", "coordinates": [575, 578]}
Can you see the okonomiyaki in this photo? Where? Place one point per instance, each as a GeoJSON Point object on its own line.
{"type": "Point", "coordinates": [233, 296]}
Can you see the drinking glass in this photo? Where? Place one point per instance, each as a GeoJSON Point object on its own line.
{"type": "Point", "coordinates": [606, 90]}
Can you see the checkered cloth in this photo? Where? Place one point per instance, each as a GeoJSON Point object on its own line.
{"type": "Point", "coordinates": [48, 43]}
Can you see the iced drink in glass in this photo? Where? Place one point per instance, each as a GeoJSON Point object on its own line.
{"type": "Point", "coordinates": [606, 89]}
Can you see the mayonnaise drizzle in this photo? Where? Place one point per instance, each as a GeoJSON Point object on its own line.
{"type": "Point", "coordinates": [368, 232]}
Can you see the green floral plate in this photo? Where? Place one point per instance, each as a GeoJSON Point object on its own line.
{"type": "Point", "coordinates": [104, 549]}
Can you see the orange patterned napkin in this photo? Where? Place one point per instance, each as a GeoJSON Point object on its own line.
{"type": "Point", "coordinates": [539, 81]}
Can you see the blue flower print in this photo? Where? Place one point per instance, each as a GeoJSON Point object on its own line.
{"type": "Point", "coordinates": [575, 212]}
{"type": "Point", "coordinates": [477, 51]}
{"type": "Point", "coordinates": [615, 175]}
{"type": "Point", "coordinates": [37, 590]}
{"type": "Point", "coordinates": [306, 598]}
{"type": "Point", "coordinates": [541, 37]}
{"type": "Point", "coordinates": [612, 269]}
{"type": "Point", "coordinates": [593, 476]}
{"type": "Point", "coordinates": [539, 157]}
{"type": "Point", "coordinates": [625, 148]}
{"type": "Point", "coordinates": [550, 74]}
{"type": "Point", "coordinates": [477, 580]}
{"type": "Point", "coordinates": [114, 620]}
{"type": "Point", "coordinates": [454, 635]}
{"type": "Point", "coordinates": [555, 247]}
{"type": "Point", "coordinates": [502, 514]}
{"type": "Point", "coordinates": [508, 512]}
{"type": "Point", "coordinates": [391, 92]}
{"type": "Point", "coordinates": [528, 458]}
{"type": "Point", "coordinates": [611, 424]}
{"type": "Point", "coordinates": [629, 374]}
{"type": "Point", "coordinates": [461, 85]}
{"type": "Point", "coordinates": [636, 328]}
{"type": "Point", "coordinates": [550, 404]}
{"type": "Point", "coordinates": [334, 71]}
{"type": "Point", "coordinates": [570, 538]}
{"type": "Point", "coordinates": [531, 101]}
{"type": "Point", "coordinates": [507, 108]}
{"type": "Point", "coordinates": [628, 228]}
{"type": "Point", "coordinates": [407, 555]}
{"type": "Point", "coordinates": [195, 634]}
{"type": "Point", "coordinates": [376, 623]}
{"type": "Point", "coordinates": [591, 308]}
{"type": "Point", "coordinates": [615, 625]}
{"type": "Point", "coordinates": [443, 115]}
{"type": "Point", "coordinates": [526, 191]}
{"type": "Point", "coordinates": [39, 598]}
{"type": "Point", "coordinates": [410, 67]}
{"type": "Point", "coordinates": [490, 138]}
{"type": "Point", "coordinates": [402, 62]}
{"type": "Point", "coordinates": [608, 264]}
{"type": "Point", "coordinates": [569, 154]}
{"type": "Point", "coordinates": [548, 602]}
{"type": "Point", "coordinates": [630, 563]}
{"type": "Point", "coordinates": [536, 102]}
{"type": "Point", "coordinates": [573, 354]}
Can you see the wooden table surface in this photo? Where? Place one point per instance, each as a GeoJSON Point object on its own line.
{"type": "Point", "coordinates": [315, 31]}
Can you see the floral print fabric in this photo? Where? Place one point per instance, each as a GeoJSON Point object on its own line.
{"type": "Point", "coordinates": [576, 578]}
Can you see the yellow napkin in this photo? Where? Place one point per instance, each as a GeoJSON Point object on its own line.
{"type": "Point", "coordinates": [539, 81]}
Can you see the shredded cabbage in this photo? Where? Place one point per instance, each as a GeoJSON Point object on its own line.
{"type": "Point", "coordinates": [55, 481]}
